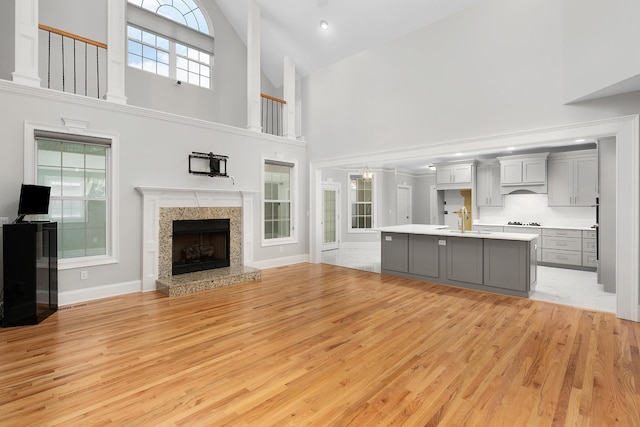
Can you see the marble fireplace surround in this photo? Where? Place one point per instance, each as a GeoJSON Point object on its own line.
{"type": "Point", "coordinates": [168, 215]}
{"type": "Point", "coordinates": [161, 205]}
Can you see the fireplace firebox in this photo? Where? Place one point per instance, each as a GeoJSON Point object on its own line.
{"type": "Point", "coordinates": [200, 244]}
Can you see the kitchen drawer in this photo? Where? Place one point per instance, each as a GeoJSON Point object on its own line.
{"type": "Point", "coordinates": [588, 245]}
{"type": "Point", "coordinates": [564, 243]}
{"type": "Point", "coordinates": [557, 256]}
{"type": "Point", "coordinates": [489, 228]}
{"type": "Point", "coordinates": [559, 232]}
{"type": "Point", "coordinates": [589, 260]}
{"type": "Point", "coordinates": [588, 234]}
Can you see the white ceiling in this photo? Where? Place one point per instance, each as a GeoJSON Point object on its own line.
{"type": "Point", "coordinates": [292, 28]}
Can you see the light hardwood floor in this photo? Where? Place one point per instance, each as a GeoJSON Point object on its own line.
{"type": "Point", "coordinates": [322, 345]}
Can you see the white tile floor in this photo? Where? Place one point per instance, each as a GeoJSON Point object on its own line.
{"type": "Point", "coordinates": [558, 285]}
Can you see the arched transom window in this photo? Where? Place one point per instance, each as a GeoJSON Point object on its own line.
{"type": "Point", "coordinates": [156, 44]}
{"type": "Point", "coordinates": [185, 12]}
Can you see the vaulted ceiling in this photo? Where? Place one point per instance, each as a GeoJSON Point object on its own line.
{"type": "Point", "coordinates": [292, 27]}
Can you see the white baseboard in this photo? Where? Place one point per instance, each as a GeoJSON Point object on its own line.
{"type": "Point", "coordinates": [81, 295]}
{"type": "Point", "coordinates": [278, 262]}
{"type": "Point", "coordinates": [98, 292]}
{"type": "Point", "coordinates": [357, 245]}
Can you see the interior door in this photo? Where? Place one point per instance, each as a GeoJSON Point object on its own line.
{"type": "Point", "coordinates": [330, 215]}
{"type": "Point", "coordinates": [404, 205]}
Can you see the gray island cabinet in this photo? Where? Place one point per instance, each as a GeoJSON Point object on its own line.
{"type": "Point", "coordinates": [496, 262]}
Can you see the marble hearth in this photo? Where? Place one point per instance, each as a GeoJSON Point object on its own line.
{"type": "Point", "coordinates": [161, 206]}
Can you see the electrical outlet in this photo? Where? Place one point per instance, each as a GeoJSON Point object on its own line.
{"type": "Point", "coordinates": [281, 249]}
{"type": "Point", "coordinates": [84, 275]}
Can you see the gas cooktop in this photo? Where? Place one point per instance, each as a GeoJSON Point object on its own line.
{"type": "Point", "coordinates": [529, 224]}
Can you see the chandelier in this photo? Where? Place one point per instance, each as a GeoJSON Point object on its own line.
{"type": "Point", "coordinates": [367, 173]}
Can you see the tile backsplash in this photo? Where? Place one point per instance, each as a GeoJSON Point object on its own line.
{"type": "Point", "coordinates": [534, 208]}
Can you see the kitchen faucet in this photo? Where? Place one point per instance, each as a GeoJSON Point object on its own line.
{"type": "Point", "coordinates": [463, 214]}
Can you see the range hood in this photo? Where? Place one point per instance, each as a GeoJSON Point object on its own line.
{"type": "Point", "coordinates": [523, 189]}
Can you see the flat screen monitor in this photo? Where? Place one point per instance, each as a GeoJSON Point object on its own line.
{"type": "Point", "coordinates": [34, 200]}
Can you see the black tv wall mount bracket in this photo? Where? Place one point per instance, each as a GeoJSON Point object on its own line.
{"type": "Point", "coordinates": [212, 165]}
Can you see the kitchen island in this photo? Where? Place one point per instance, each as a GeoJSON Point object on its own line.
{"type": "Point", "coordinates": [488, 261]}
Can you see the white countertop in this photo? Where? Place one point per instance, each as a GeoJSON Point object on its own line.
{"type": "Point", "coordinates": [442, 230]}
{"type": "Point", "coordinates": [535, 226]}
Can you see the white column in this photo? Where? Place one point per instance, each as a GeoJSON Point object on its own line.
{"type": "Point", "coordinates": [253, 68]}
{"type": "Point", "coordinates": [116, 55]}
{"type": "Point", "coordinates": [26, 43]}
{"type": "Point", "coordinates": [289, 92]}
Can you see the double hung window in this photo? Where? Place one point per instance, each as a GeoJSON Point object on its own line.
{"type": "Point", "coordinates": [79, 170]}
{"type": "Point", "coordinates": [278, 218]}
{"type": "Point", "coordinates": [361, 203]}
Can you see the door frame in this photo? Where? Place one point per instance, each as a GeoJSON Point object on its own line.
{"type": "Point", "coordinates": [337, 187]}
{"type": "Point", "coordinates": [409, 202]}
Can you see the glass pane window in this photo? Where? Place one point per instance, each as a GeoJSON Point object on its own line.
{"type": "Point", "coordinates": [192, 65]}
{"type": "Point", "coordinates": [277, 201]}
{"type": "Point", "coordinates": [148, 51]}
{"type": "Point", "coordinates": [77, 174]}
{"type": "Point", "coordinates": [184, 12]}
{"type": "Point", "coordinates": [361, 201]}
{"type": "Point", "coordinates": [170, 56]}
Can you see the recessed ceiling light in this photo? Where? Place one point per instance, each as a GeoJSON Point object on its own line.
{"type": "Point", "coordinates": [580, 140]}
{"type": "Point", "coordinates": [458, 154]}
{"type": "Point", "coordinates": [511, 148]}
{"type": "Point", "coordinates": [324, 25]}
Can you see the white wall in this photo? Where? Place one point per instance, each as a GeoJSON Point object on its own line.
{"type": "Point", "coordinates": [154, 149]}
{"type": "Point", "coordinates": [493, 69]}
{"type": "Point", "coordinates": [598, 41]}
{"type": "Point", "coordinates": [422, 199]}
{"type": "Point", "coordinates": [64, 15]}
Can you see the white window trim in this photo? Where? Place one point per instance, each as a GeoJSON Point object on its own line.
{"type": "Point", "coordinates": [374, 205]}
{"type": "Point", "coordinates": [175, 32]}
{"type": "Point", "coordinates": [294, 198]}
{"type": "Point", "coordinates": [113, 245]}
{"type": "Point", "coordinates": [173, 60]}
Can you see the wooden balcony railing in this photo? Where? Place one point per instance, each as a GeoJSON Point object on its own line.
{"type": "Point", "coordinates": [273, 110]}
{"type": "Point", "coordinates": [73, 63]}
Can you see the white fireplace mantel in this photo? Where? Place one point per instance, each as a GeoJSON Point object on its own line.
{"type": "Point", "coordinates": [154, 198]}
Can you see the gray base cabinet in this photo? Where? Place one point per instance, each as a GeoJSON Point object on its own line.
{"type": "Point", "coordinates": [395, 252]}
{"type": "Point", "coordinates": [464, 260]}
{"type": "Point", "coordinates": [423, 255]}
{"type": "Point", "coordinates": [503, 266]}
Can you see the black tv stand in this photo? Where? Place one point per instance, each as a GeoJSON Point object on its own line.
{"type": "Point", "coordinates": [30, 272]}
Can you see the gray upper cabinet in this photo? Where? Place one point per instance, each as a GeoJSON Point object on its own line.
{"type": "Point", "coordinates": [455, 175]}
{"type": "Point", "coordinates": [524, 171]}
{"type": "Point", "coordinates": [488, 185]}
{"type": "Point", "coordinates": [573, 178]}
